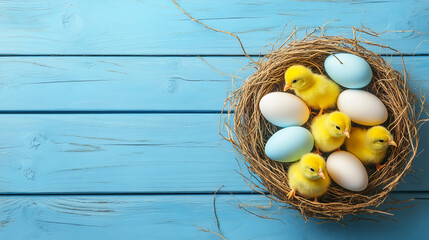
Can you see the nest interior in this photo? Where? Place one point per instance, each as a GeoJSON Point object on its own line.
{"type": "Point", "coordinates": [251, 130]}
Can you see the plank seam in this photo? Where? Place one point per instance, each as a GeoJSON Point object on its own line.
{"type": "Point", "coordinates": [111, 111]}
{"type": "Point", "coordinates": [161, 193]}
{"type": "Point", "coordinates": [171, 55]}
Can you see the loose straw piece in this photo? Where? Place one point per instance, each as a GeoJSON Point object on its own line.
{"type": "Point", "coordinates": [216, 30]}
{"type": "Point", "coordinates": [216, 218]}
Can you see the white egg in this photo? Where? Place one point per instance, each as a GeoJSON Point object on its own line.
{"type": "Point", "coordinates": [284, 109]}
{"type": "Point", "coordinates": [347, 170]}
{"type": "Point", "coordinates": [362, 107]}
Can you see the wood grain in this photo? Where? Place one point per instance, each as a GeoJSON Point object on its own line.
{"type": "Point", "coordinates": [158, 27]}
{"type": "Point", "coordinates": [134, 83]}
{"type": "Point", "coordinates": [115, 153]}
{"type": "Point", "coordinates": [126, 153]}
{"type": "Point", "coordinates": [181, 217]}
{"type": "Point", "coordinates": [151, 175]}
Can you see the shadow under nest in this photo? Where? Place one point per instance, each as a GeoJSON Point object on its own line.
{"type": "Point", "coordinates": [248, 130]}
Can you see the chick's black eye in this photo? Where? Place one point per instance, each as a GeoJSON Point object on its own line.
{"type": "Point", "coordinates": [294, 81]}
{"type": "Point", "coordinates": [311, 169]}
{"type": "Point", "coordinates": [337, 127]}
{"type": "Point", "coordinates": [381, 140]}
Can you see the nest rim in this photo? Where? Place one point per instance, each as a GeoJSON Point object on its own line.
{"type": "Point", "coordinates": [249, 130]}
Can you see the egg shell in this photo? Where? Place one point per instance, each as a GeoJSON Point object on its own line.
{"type": "Point", "coordinates": [289, 144]}
{"type": "Point", "coordinates": [347, 170]}
{"type": "Point", "coordinates": [362, 107]}
{"type": "Point", "coordinates": [352, 72]}
{"type": "Point", "coordinates": [284, 109]}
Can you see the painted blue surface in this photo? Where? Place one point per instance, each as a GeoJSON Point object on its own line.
{"type": "Point", "coordinates": [182, 217]}
{"type": "Point", "coordinates": [117, 138]}
{"type": "Point", "coordinates": [134, 83]}
{"type": "Point", "coordinates": [158, 27]}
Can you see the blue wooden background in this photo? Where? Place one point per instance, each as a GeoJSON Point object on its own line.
{"type": "Point", "coordinates": [109, 118]}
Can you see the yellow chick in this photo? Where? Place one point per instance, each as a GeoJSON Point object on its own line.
{"type": "Point", "coordinates": [316, 90]}
{"type": "Point", "coordinates": [309, 177]}
{"type": "Point", "coordinates": [370, 145]}
{"type": "Point", "coordinates": [330, 130]}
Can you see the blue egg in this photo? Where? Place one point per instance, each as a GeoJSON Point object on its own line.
{"type": "Point", "coordinates": [289, 144]}
{"type": "Point", "coordinates": [351, 72]}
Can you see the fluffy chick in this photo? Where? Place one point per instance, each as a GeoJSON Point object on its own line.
{"type": "Point", "coordinates": [308, 177]}
{"type": "Point", "coordinates": [330, 130]}
{"type": "Point", "coordinates": [316, 90]}
{"type": "Point", "coordinates": [370, 145]}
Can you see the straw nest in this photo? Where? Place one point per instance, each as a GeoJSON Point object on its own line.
{"type": "Point", "coordinates": [248, 130]}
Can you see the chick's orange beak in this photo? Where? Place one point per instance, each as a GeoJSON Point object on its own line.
{"type": "Point", "coordinates": [346, 133]}
{"type": "Point", "coordinates": [391, 142]}
{"type": "Point", "coordinates": [321, 174]}
{"type": "Point", "coordinates": [287, 86]}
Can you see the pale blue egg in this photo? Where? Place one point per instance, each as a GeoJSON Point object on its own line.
{"type": "Point", "coordinates": [289, 144]}
{"type": "Point", "coordinates": [352, 72]}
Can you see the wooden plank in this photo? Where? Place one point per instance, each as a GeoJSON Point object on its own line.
{"type": "Point", "coordinates": [417, 180]}
{"type": "Point", "coordinates": [148, 27]}
{"type": "Point", "coordinates": [132, 83]}
{"type": "Point", "coordinates": [115, 83]}
{"type": "Point", "coordinates": [115, 153]}
{"type": "Point", "coordinates": [182, 216]}
{"type": "Point", "coordinates": [111, 153]}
